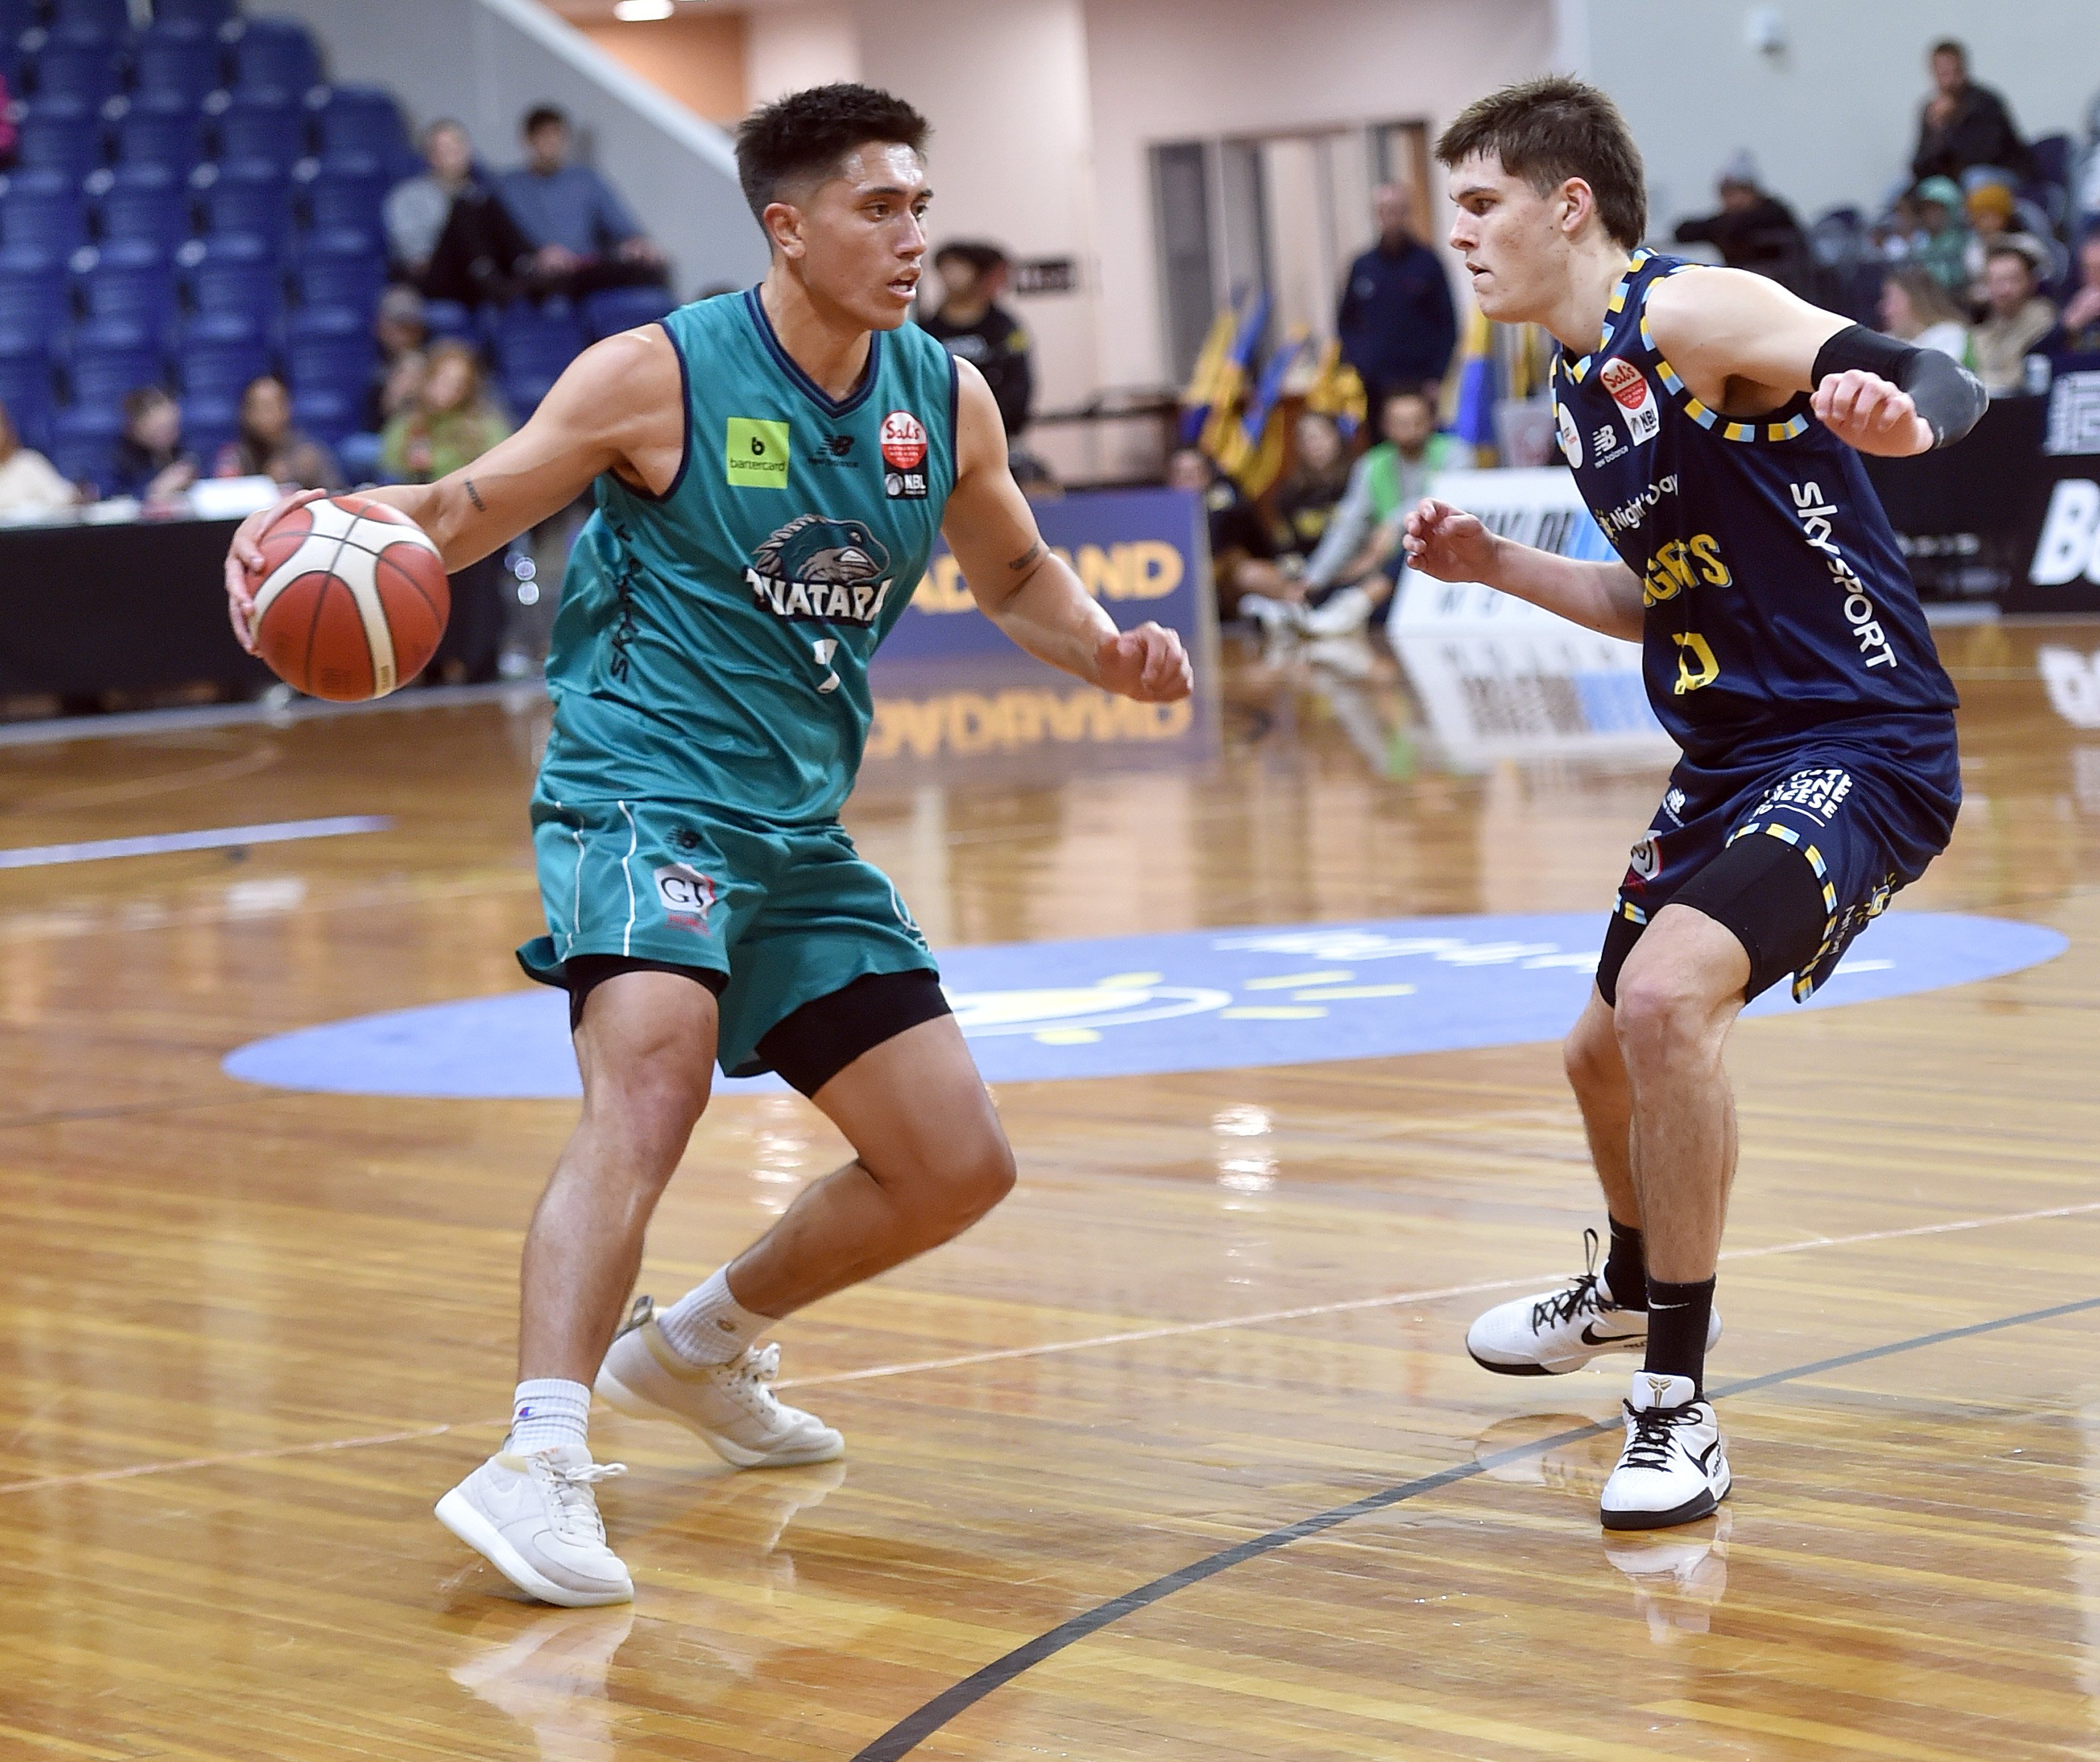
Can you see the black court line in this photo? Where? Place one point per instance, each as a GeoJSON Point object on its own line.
{"type": "Point", "coordinates": [915, 1728]}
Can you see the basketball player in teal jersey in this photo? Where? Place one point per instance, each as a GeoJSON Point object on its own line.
{"type": "Point", "coordinates": [772, 469]}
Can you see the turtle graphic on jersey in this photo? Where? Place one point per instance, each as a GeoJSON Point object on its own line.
{"type": "Point", "coordinates": [818, 567]}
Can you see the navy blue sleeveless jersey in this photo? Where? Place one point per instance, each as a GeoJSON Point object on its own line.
{"type": "Point", "coordinates": [1778, 604]}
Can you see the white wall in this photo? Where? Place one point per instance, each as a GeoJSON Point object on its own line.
{"type": "Point", "coordinates": [1832, 119]}
{"type": "Point", "coordinates": [787, 47]}
{"type": "Point", "coordinates": [486, 61]}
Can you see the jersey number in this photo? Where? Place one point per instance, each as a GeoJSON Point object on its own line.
{"type": "Point", "coordinates": [1696, 664]}
{"type": "Point", "coordinates": [1682, 563]}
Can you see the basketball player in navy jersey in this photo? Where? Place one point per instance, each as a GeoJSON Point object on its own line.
{"type": "Point", "coordinates": [1714, 422]}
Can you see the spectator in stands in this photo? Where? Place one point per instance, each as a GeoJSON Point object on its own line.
{"type": "Point", "coordinates": [448, 234]}
{"type": "Point", "coordinates": [400, 332]}
{"type": "Point", "coordinates": [2017, 320]}
{"type": "Point", "coordinates": [150, 462]}
{"type": "Point", "coordinates": [396, 388]}
{"type": "Point", "coordinates": [1319, 477]}
{"type": "Point", "coordinates": [1753, 231]}
{"type": "Point", "coordinates": [29, 484]}
{"type": "Point", "coordinates": [582, 237]}
{"type": "Point", "coordinates": [269, 445]}
{"type": "Point", "coordinates": [1396, 323]}
{"type": "Point", "coordinates": [1243, 549]}
{"type": "Point", "coordinates": [418, 208]}
{"type": "Point", "coordinates": [1917, 308]}
{"type": "Point", "coordinates": [1941, 242]}
{"type": "Point", "coordinates": [973, 326]}
{"type": "Point", "coordinates": [1964, 125]}
{"type": "Point", "coordinates": [1353, 572]}
{"type": "Point", "coordinates": [2078, 331]}
{"type": "Point", "coordinates": [449, 424]}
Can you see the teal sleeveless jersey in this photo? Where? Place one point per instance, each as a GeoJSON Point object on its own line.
{"type": "Point", "coordinates": [713, 642]}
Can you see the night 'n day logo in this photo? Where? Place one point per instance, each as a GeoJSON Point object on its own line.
{"type": "Point", "coordinates": [823, 569]}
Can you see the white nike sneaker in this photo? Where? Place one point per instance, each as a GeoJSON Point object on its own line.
{"type": "Point", "coordinates": [1674, 1467]}
{"type": "Point", "coordinates": [1562, 1331]}
{"type": "Point", "coordinates": [1270, 616]}
{"type": "Point", "coordinates": [730, 1406]}
{"type": "Point", "coordinates": [1343, 614]}
{"type": "Point", "coordinates": [535, 1519]}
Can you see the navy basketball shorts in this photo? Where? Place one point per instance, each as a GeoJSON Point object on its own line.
{"type": "Point", "coordinates": [1794, 863]}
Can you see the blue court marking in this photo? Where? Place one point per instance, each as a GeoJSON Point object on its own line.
{"type": "Point", "coordinates": [217, 838]}
{"type": "Point", "coordinates": [1148, 1005]}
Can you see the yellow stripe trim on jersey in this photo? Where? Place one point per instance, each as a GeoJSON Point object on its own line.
{"type": "Point", "coordinates": [1815, 859]}
{"type": "Point", "coordinates": [1830, 897]}
{"type": "Point", "coordinates": [1787, 832]}
{"type": "Point", "coordinates": [1631, 913]}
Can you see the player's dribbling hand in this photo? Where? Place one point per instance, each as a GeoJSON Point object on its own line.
{"type": "Point", "coordinates": [1448, 543]}
{"type": "Point", "coordinates": [1870, 415]}
{"type": "Point", "coordinates": [244, 563]}
{"type": "Point", "coordinates": [1148, 663]}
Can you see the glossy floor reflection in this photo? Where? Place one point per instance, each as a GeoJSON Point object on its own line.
{"type": "Point", "coordinates": [247, 1336]}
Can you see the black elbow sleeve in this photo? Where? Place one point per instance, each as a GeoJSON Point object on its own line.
{"type": "Point", "coordinates": [1950, 398]}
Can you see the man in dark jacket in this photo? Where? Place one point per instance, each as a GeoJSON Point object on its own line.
{"type": "Point", "coordinates": [1753, 231]}
{"type": "Point", "coordinates": [1964, 125]}
{"type": "Point", "coordinates": [1396, 323]}
{"type": "Point", "coordinates": [973, 326]}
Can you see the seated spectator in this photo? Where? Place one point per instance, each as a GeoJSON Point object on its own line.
{"type": "Point", "coordinates": [269, 446]}
{"type": "Point", "coordinates": [401, 334]}
{"type": "Point", "coordinates": [398, 386]}
{"type": "Point", "coordinates": [1318, 478]}
{"type": "Point", "coordinates": [2078, 331]}
{"type": "Point", "coordinates": [149, 462]}
{"type": "Point", "coordinates": [1917, 309]}
{"type": "Point", "coordinates": [418, 208]}
{"type": "Point", "coordinates": [448, 234]}
{"type": "Point", "coordinates": [1941, 243]}
{"type": "Point", "coordinates": [1243, 549]}
{"type": "Point", "coordinates": [1353, 572]}
{"type": "Point", "coordinates": [581, 234]}
{"type": "Point", "coordinates": [973, 326]}
{"type": "Point", "coordinates": [2017, 320]}
{"type": "Point", "coordinates": [448, 424]}
{"type": "Point", "coordinates": [1964, 125]}
{"type": "Point", "coordinates": [29, 483]}
{"type": "Point", "coordinates": [1753, 231]}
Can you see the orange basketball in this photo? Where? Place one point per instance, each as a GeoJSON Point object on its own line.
{"type": "Point", "coordinates": [353, 599]}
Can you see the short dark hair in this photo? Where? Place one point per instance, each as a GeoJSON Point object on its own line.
{"type": "Point", "coordinates": [806, 134]}
{"type": "Point", "coordinates": [1548, 130]}
{"type": "Point", "coordinates": [141, 398]}
{"type": "Point", "coordinates": [1949, 46]}
{"type": "Point", "coordinates": [544, 116]}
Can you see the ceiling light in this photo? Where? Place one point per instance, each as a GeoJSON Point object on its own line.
{"type": "Point", "coordinates": [638, 11]}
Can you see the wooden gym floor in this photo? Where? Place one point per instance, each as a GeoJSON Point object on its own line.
{"type": "Point", "coordinates": [248, 1335]}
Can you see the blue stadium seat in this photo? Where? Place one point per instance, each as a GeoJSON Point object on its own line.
{"type": "Point", "coordinates": [262, 125]}
{"type": "Point", "coordinates": [346, 190]}
{"type": "Point", "coordinates": [211, 15]}
{"type": "Point", "coordinates": [231, 274]}
{"type": "Point", "coordinates": [135, 282]}
{"type": "Point", "coordinates": [83, 445]}
{"type": "Point", "coordinates": [209, 423]}
{"type": "Point", "coordinates": [217, 330]}
{"type": "Point", "coordinates": [60, 135]}
{"type": "Point", "coordinates": [535, 344]}
{"type": "Point", "coordinates": [85, 71]}
{"type": "Point", "coordinates": [25, 390]}
{"type": "Point", "coordinates": [43, 209]}
{"type": "Point", "coordinates": [340, 282]}
{"type": "Point", "coordinates": [102, 377]}
{"type": "Point", "coordinates": [451, 321]}
{"type": "Point", "coordinates": [92, 18]}
{"type": "Point", "coordinates": [185, 63]}
{"type": "Point", "coordinates": [17, 16]}
{"type": "Point", "coordinates": [248, 196]}
{"type": "Point", "coordinates": [160, 129]}
{"type": "Point", "coordinates": [612, 310]}
{"type": "Point", "coordinates": [33, 291]}
{"type": "Point", "coordinates": [272, 55]}
{"type": "Point", "coordinates": [360, 119]}
{"type": "Point", "coordinates": [143, 202]}
{"type": "Point", "coordinates": [222, 370]}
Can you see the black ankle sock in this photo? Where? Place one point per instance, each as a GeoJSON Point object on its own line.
{"type": "Point", "coordinates": [1625, 1270]}
{"type": "Point", "coordinates": [1678, 1318]}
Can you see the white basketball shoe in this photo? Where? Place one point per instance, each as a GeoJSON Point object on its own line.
{"type": "Point", "coordinates": [1674, 1467]}
{"type": "Point", "coordinates": [731, 1407]}
{"type": "Point", "coordinates": [1562, 1331]}
{"type": "Point", "coordinates": [535, 1519]}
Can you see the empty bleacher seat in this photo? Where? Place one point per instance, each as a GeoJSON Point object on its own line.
{"type": "Point", "coordinates": [612, 310]}
{"type": "Point", "coordinates": [33, 291]}
{"type": "Point", "coordinates": [272, 55]}
{"type": "Point", "coordinates": [60, 135]}
{"type": "Point", "coordinates": [259, 126]}
{"type": "Point", "coordinates": [331, 278]}
{"type": "Point", "coordinates": [132, 280]}
{"type": "Point", "coordinates": [534, 345]}
{"type": "Point", "coordinates": [360, 119]}
{"type": "Point", "coordinates": [330, 413]}
{"type": "Point", "coordinates": [25, 388]}
{"type": "Point", "coordinates": [91, 18]}
{"type": "Point", "coordinates": [43, 209]}
{"type": "Point", "coordinates": [221, 369]}
{"type": "Point", "coordinates": [103, 375]}
{"type": "Point", "coordinates": [178, 63]}
{"type": "Point", "coordinates": [86, 73]}
{"type": "Point", "coordinates": [231, 272]}
{"type": "Point", "coordinates": [246, 196]}
{"type": "Point", "coordinates": [211, 15]}
{"type": "Point", "coordinates": [142, 202]}
{"type": "Point", "coordinates": [83, 445]}
{"type": "Point", "coordinates": [346, 190]}
{"type": "Point", "coordinates": [161, 129]}
{"type": "Point", "coordinates": [17, 16]}
{"type": "Point", "coordinates": [450, 321]}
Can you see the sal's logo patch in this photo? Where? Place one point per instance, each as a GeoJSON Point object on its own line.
{"type": "Point", "coordinates": [904, 454]}
{"type": "Point", "coordinates": [686, 895]}
{"type": "Point", "coordinates": [822, 570]}
{"type": "Point", "coordinates": [755, 453]}
{"type": "Point", "coordinates": [1629, 387]}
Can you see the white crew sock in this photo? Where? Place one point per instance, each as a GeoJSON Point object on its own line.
{"type": "Point", "coordinates": [708, 1325]}
{"type": "Point", "coordinates": [548, 1410]}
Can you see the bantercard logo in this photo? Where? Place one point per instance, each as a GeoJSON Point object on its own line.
{"type": "Point", "coordinates": [820, 569]}
{"type": "Point", "coordinates": [2069, 544]}
{"type": "Point", "coordinates": [755, 453]}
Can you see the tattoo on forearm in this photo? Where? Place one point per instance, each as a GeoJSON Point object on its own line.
{"type": "Point", "coordinates": [1029, 557]}
{"type": "Point", "coordinates": [473, 495]}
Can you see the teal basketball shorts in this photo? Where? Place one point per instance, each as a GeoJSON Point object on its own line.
{"type": "Point", "coordinates": [780, 917]}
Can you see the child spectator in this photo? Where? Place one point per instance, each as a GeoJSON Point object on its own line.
{"type": "Point", "coordinates": [149, 462]}
{"type": "Point", "coordinates": [269, 445]}
{"type": "Point", "coordinates": [29, 485]}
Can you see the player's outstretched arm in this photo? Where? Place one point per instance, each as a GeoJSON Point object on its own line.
{"type": "Point", "coordinates": [1730, 334]}
{"type": "Point", "coordinates": [1027, 591]}
{"type": "Point", "coordinates": [620, 407]}
{"type": "Point", "coordinates": [1453, 545]}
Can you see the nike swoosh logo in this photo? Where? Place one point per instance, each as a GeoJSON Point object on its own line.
{"type": "Point", "coordinates": [1591, 1338]}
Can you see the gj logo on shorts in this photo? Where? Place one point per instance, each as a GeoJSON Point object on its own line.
{"type": "Point", "coordinates": [685, 894]}
{"type": "Point", "coordinates": [1646, 858]}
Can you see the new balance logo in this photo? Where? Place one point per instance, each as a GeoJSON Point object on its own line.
{"type": "Point", "coordinates": [838, 445]}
